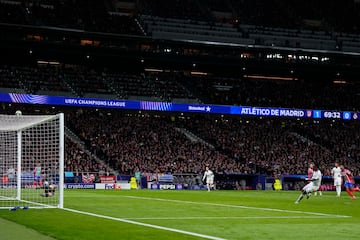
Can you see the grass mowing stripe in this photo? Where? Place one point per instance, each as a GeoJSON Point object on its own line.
{"type": "Point", "coordinates": [239, 206]}
{"type": "Point", "coordinates": [145, 224]}
{"type": "Point", "coordinates": [12, 230]}
{"type": "Point", "coordinates": [225, 218]}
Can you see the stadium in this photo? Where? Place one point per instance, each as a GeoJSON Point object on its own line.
{"type": "Point", "coordinates": [179, 119]}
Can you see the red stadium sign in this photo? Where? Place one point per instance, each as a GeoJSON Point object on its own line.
{"type": "Point", "coordinates": [107, 179]}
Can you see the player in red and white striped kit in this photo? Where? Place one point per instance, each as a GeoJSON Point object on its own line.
{"type": "Point", "coordinates": [349, 182]}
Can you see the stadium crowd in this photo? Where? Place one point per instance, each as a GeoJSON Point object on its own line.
{"type": "Point", "coordinates": [95, 15]}
{"type": "Point", "coordinates": [79, 14]}
{"type": "Point", "coordinates": [152, 143]}
{"type": "Point", "coordinates": [291, 94]}
{"type": "Point", "coordinates": [78, 161]}
{"type": "Point", "coordinates": [281, 146]}
{"type": "Point", "coordinates": [78, 80]}
{"type": "Point", "coordinates": [107, 83]}
{"type": "Point", "coordinates": [329, 21]}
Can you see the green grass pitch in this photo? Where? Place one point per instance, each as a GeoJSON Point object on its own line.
{"type": "Point", "coordinates": [145, 214]}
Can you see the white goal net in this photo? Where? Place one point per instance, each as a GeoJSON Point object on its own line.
{"type": "Point", "coordinates": [31, 161]}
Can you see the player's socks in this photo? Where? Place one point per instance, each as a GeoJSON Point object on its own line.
{"type": "Point", "coordinates": [320, 193]}
{"type": "Point", "coordinates": [299, 199]}
{"type": "Point", "coordinates": [350, 193]}
{"type": "Point", "coordinates": [338, 190]}
{"type": "Point", "coordinates": [315, 193]}
{"type": "Point", "coordinates": [356, 189]}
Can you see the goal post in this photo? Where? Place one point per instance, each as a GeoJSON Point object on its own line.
{"type": "Point", "coordinates": [32, 161]}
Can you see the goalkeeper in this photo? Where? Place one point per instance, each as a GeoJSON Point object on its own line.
{"type": "Point", "coordinates": [49, 189]}
{"type": "Point", "coordinates": [312, 186]}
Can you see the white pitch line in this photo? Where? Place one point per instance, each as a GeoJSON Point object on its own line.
{"type": "Point", "coordinates": [240, 206]}
{"type": "Point", "coordinates": [145, 224]}
{"type": "Point", "coordinates": [224, 218]}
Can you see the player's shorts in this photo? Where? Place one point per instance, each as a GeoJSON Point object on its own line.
{"type": "Point", "coordinates": [337, 181]}
{"type": "Point", "coordinates": [209, 180]}
{"type": "Point", "coordinates": [348, 184]}
{"type": "Point", "coordinates": [37, 178]}
{"type": "Point", "coordinates": [310, 187]}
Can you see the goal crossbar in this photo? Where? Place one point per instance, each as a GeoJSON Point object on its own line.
{"type": "Point", "coordinates": [11, 123]}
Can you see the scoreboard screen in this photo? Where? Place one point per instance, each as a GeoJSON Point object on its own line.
{"type": "Point", "coordinates": [177, 107]}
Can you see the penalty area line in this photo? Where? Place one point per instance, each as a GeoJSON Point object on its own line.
{"type": "Point", "coordinates": [144, 224]}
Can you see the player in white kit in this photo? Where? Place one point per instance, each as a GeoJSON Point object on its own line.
{"type": "Point", "coordinates": [336, 175]}
{"type": "Point", "coordinates": [209, 175]}
{"type": "Point", "coordinates": [312, 186]}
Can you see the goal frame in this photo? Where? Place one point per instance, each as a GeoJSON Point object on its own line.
{"type": "Point", "coordinates": [19, 163]}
